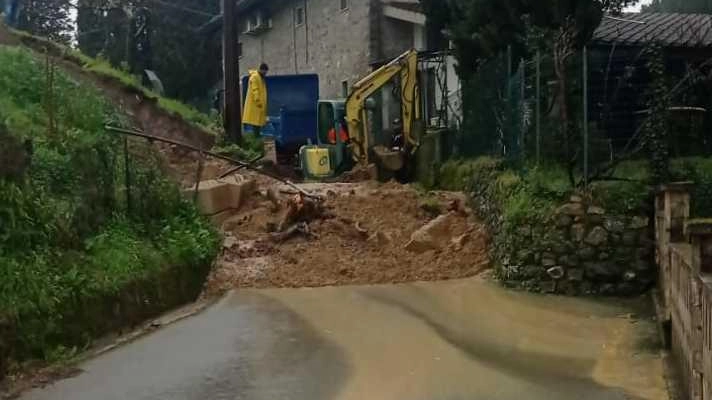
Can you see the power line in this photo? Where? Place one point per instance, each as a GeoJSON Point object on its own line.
{"type": "Point", "coordinates": [186, 9]}
{"type": "Point", "coordinates": [170, 5]}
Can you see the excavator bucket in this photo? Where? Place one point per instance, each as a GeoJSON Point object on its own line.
{"type": "Point", "coordinates": [391, 160]}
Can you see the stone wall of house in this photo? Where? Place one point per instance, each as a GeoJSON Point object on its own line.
{"type": "Point", "coordinates": [338, 45]}
{"type": "Point", "coordinates": [580, 249]}
{"type": "Point", "coordinates": [333, 43]}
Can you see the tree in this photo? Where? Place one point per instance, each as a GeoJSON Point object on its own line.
{"type": "Point", "coordinates": [47, 18]}
{"type": "Point", "coordinates": [157, 35]}
{"type": "Point", "coordinates": [480, 29]}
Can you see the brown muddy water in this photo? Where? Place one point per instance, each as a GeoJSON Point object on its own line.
{"type": "Point", "coordinates": [466, 339]}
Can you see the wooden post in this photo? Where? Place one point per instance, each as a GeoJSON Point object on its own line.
{"type": "Point", "coordinates": [700, 234]}
{"type": "Point", "coordinates": [231, 69]}
{"type": "Point", "coordinates": [672, 209]}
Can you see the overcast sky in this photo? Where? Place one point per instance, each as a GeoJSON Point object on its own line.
{"type": "Point", "coordinates": [636, 8]}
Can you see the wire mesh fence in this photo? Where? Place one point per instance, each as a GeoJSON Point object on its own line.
{"type": "Point", "coordinates": [517, 108]}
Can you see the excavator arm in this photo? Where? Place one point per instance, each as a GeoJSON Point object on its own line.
{"type": "Point", "coordinates": [406, 65]}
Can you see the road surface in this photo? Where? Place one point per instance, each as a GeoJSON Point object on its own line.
{"type": "Point", "coordinates": [465, 339]}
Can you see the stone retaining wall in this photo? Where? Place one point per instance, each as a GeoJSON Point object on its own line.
{"type": "Point", "coordinates": [579, 249]}
{"type": "Point", "coordinates": [89, 318]}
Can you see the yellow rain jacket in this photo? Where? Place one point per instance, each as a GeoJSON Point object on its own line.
{"type": "Point", "coordinates": [255, 112]}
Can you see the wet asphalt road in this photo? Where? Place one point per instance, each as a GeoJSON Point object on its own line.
{"type": "Point", "coordinates": [442, 341]}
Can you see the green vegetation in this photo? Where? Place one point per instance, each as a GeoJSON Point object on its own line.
{"type": "Point", "coordinates": [699, 171]}
{"type": "Point", "coordinates": [71, 231]}
{"type": "Point", "coordinates": [533, 191]}
{"type": "Point", "coordinates": [252, 147]}
{"type": "Point", "coordinates": [103, 68]}
{"type": "Point", "coordinates": [528, 193]}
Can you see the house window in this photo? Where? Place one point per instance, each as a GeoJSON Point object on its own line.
{"type": "Point", "coordinates": [299, 16]}
{"type": "Point", "coordinates": [344, 5]}
{"type": "Point", "coordinates": [344, 89]}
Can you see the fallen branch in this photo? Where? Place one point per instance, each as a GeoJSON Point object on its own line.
{"type": "Point", "coordinates": [301, 228]}
{"type": "Point", "coordinates": [300, 209]}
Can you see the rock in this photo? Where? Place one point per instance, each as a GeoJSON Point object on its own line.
{"type": "Point", "coordinates": [229, 242]}
{"type": "Point", "coordinates": [607, 289]}
{"type": "Point", "coordinates": [559, 248]}
{"type": "Point", "coordinates": [623, 253]}
{"type": "Point", "coordinates": [568, 260]}
{"type": "Point", "coordinates": [586, 253]}
{"type": "Point", "coordinates": [556, 273]}
{"type": "Point", "coordinates": [548, 262]}
{"type": "Point", "coordinates": [630, 238]}
{"type": "Point", "coordinates": [639, 223]}
{"type": "Point", "coordinates": [577, 232]}
{"type": "Point", "coordinates": [629, 276]}
{"type": "Point", "coordinates": [525, 231]}
{"type": "Point", "coordinates": [525, 256]}
{"type": "Point", "coordinates": [459, 242]}
{"type": "Point", "coordinates": [586, 287]}
{"type": "Point", "coordinates": [575, 274]}
{"type": "Point", "coordinates": [433, 236]}
{"type": "Point", "coordinates": [563, 221]}
{"type": "Point", "coordinates": [576, 199]}
{"type": "Point", "coordinates": [595, 220]}
{"type": "Point", "coordinates": [643, 265]}
{"type": "Point", "coordinates": [644, 252]}
{"type": "Point", "coordinates": [379, 238]}
{"type": "Point", "coordinates": [531, 271]}
{"type": "Point", "coordinates": [572, 209]}
{"type": "Point", "coordinates": [614, 225]}
{"type": "Point", "coordinates": [600, 271]}
{"type": "Point", "coordinates": [548, 259]}
{"type": "Point", "coordinates": [603, 256]}
{"type": "Point", "coordinates": [597, 236]}
{"type": "Point", "coordinates": [627, 289]}
{"type": "Point", "coordinates": [548, 287]}
{"type": "Point", "coordinates": [593, 210]}
{"type": "Point", "coordinates": [645, 238]}
{"type": "Point", "coordinates": [616, 238]}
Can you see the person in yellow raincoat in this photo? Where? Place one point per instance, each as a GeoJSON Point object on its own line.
{"type": "Point", "coordinates": [255, 112]}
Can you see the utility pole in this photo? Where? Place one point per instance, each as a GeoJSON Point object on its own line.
{"type": "Point", "coordinates": [231, 72]}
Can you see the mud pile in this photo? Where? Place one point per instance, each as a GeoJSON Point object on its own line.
{"type": "Point", "coordinates": [362, 241]}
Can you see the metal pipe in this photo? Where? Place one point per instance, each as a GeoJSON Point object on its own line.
{"type": "Point", "coordinates": [211, 154]}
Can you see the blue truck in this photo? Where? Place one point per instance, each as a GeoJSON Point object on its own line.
{"type": "Point", "coordinates": [291, 111]}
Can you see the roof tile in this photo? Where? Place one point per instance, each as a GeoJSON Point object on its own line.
{"type": "Point", "coordinates": [668, 29]}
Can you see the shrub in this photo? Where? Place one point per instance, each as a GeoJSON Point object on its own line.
{"type": "Point", "coordinates": [67, 233]}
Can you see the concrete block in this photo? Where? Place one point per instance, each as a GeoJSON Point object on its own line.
{"type": "Point", "coordinates": [218, 196]}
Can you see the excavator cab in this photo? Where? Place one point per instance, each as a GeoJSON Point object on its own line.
{"type": "Point", "coordinates": [330, 156]}
{"type": "Point", "coordinates": [361, 143]}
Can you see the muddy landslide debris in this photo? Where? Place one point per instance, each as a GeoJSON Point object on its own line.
{"type": "Point", "coordinates": [361, 233]}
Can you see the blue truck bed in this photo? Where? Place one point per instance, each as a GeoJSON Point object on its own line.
{"type": "Point", "coordinates": [291, 110]}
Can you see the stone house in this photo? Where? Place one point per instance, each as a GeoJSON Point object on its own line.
{"type": "Point", "coordinates": [340, 40]}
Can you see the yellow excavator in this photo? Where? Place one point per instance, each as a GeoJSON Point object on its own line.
{"type": "Point", "coordinates": [347, 134]}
